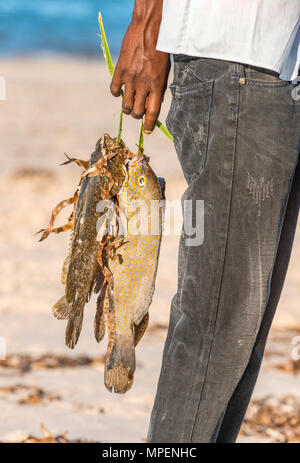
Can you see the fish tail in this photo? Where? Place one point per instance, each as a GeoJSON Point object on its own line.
{"type": "Point", "coordinates": [120, 366]}
{"type": "Point", "coordinates": [62, 310]}
{"type": "Point", "coordinates": [74, 325]}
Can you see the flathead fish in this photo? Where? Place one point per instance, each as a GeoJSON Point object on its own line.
{"type": "Point", "coordinates": [81, 269]}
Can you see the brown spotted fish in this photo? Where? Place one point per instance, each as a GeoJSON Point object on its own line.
{"type": "Point", "coordinates": [82, 269]}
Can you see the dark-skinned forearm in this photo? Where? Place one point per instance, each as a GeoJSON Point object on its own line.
{"type": "Point", "coordinates": [141, 69]}
{"type": "Point", "coordinates": [145, 10]}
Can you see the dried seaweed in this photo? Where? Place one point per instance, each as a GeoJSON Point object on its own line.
{"type": "Point", "coordinates": [27, 362]}
{"type": "Point", "coordinates": [48, 438]}
{"type": "Point", "coordinates": [291, 367]}
{"type": "Point", "coordinates": [34, 394]}
{"type": "Point", "coordinates": [275, 418]}
{"type": "Point", "coordinates": [33, 173]}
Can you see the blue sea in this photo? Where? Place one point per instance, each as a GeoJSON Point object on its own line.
{"type": "Point", "coordinates": [65, 26]}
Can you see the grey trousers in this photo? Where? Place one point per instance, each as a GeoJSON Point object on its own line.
{"type": "Point", "coordinates": [236, 131]}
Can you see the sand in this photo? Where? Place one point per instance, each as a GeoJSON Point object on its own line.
{"type": "Point", "coordinates": [56, 105]}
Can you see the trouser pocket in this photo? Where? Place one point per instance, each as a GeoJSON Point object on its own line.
{"type": "Point", "coordinates": [188, 120]}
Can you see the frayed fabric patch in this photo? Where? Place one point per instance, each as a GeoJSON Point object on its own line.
{"type": "Point", "coordinates": [196, 136]}
{"type": "Point", "coordinates": [260, 190]}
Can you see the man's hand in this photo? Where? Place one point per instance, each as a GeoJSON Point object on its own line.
{"type": "Point", "coordinates": [141, 69]}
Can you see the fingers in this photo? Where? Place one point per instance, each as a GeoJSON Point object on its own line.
{"type": "Point", "coordinates": [135, 100]}
{"type": "Point", "coordinates": [116, 83]}
{"type": "Point", "coordinates": [139, 107]}
{"type": "Point", "coordinates": [152, 113]}
{"type": "Point", "coordinates": [128, 99]}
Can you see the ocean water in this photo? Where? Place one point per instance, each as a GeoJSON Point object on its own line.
{"type": "Point", "coordinates": [66, 26]}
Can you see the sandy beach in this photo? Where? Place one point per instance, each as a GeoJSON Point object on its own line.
{"type": "Point", "coordinates": [54, 105]}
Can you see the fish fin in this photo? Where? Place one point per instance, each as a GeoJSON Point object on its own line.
{"type": "Point", "coordinates": [99, 281]}
{"type": "Point", "coordinates": [70, 286]}
{"type": "Point", "coordinates": [120, 367]}
{"type": "Point", "coordinates": [62, 310]}
{"type": "Point", "coordinates": [74, 325]}
{"type": "Point", "coordinates": [140, 329]}
{"type": "Point", "coordinates": [64, 271]}
{"type": "Point", "coordinates": [99, 323]}
{"type": "Point", "coordinates": [162, 186]}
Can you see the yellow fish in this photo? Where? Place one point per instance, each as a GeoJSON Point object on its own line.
{"type": "Point", "coordinates": [134, 271]}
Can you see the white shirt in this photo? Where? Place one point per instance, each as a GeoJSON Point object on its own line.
{"type": "Point", "coordinates": [263, 33]}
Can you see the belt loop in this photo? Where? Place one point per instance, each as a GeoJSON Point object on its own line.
{"type": "Point", "coordinates": [252, 72]}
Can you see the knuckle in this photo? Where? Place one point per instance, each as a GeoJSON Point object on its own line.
{"type": "Point", "coordinates": [152, 114]}
{"type": "Point", "coordinates": [130, 75]}
{"type": "Point", "coordinates": [144, 81]}
{"type": "Point", "coordinates": [137, 114]}
{"type": "Point", "coordinates": [119, 70]}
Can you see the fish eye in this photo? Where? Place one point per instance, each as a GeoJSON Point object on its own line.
{"type": "Point", "coordinates": [141, 181]}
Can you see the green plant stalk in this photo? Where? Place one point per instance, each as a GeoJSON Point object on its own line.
{"type": "Point", "coordinates": [141, 139]}
{"type": "Point", "coordinates": [105, 47]}
{"type": "Point", "coordinates": [111, 69]}
{"type": "Point", "coordinates": [120, 127]}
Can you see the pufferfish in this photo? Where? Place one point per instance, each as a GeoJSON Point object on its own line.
{"type": "Point", "coordinates": [134, 272]}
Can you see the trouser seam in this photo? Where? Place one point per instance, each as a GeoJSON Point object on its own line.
{"type": "Point", "coordinates": [225, 251]}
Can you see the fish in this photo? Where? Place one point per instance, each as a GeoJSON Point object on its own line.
{"type": "Point", "coordinates": [81, 269]}
{"type": "Point", "coordinates": [141, 201]}
{"type": "Point", "coordinates": [118, 264]}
